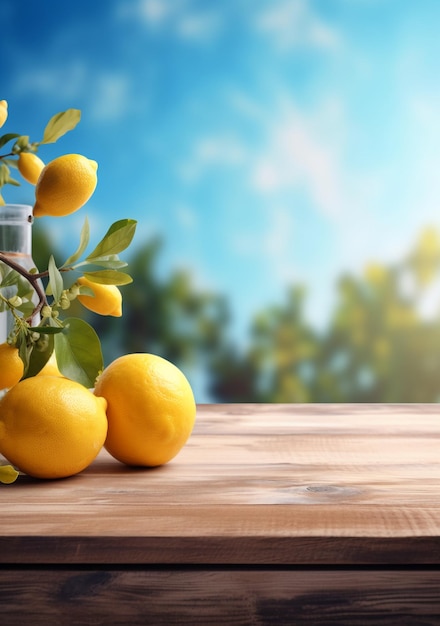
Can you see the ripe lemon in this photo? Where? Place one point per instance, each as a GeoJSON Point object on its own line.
{"type": "Point", "coordinates": [51, 367]}
{"type": "Point", "coordinates": [150, 409]}
{"type": "Point", "coordinates": [3, 112]}
{"type": "Point", "coordinates": [106, 301]}
{"type": "Point", "coordinates": [51, 427]}
{"type": "Point", "coordinates": [30, 166]}
{"type": "Point", "coordinates": [11, 366]}
{"type": "Point", "coordinates": [64, 186]}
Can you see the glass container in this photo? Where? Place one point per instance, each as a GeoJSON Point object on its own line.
{"type": "Point", "coordinates": [16, 243]}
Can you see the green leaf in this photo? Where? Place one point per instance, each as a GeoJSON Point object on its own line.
{"type": "Point", "coordinates": [46, 330]}
{"type": "Point", "coordinates": [83, 242]}
{"type": "Point", "coordinates": [12, 181]}
{"type": "Point", "coordinates": [8, 474]}
{"type": "Point", "coordinates": [5, 176]}
{"type": "Point", "coordinates": [21, 144]}
{"type": "Point", "coordinates": [24, 350]}
{"type": "Point", "coordinates": [4, 139]}
{"type": "Point", "coordinates": [38, 358]}
{"type": "Point", "coordinates": [117, 238]}
{"type": "Point", "coordinates": [84, 290]}
{"type": "Point", "coordinates": [55, 279]}
{"type": "Point", "coordinates": [10, 278]}
{"type": "Point", "coordinates": [4, 173]}
{"type": "Point", "coordinates": [26, 308]}
{"type": "Point", "coordinates": [78, 352]}
{"type": "Point", "coordinates": [109, 277]}
{"type": "Point", "coordinates": [60, 124]}
{"type": "Point", "coordinates": [111, 262]}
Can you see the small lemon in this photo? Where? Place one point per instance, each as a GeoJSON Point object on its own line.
{"type": "Point", "coordinates": [106, 301]}
{"type": "Point", "coordinates": [30, 166]}
{"type": "Point", "coordinates": [51, 427]}
{"type": "Point", "coordinates": [150, 409]}
{"type": "Point", "coordinates": [3, 112]}
{"type": "Point", "coordinates": [65, 185]}
{"type": "Point", "coordinates": [11, 366]}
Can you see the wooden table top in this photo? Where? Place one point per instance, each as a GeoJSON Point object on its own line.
{"type": "Point", "coordinates": [255, 484]}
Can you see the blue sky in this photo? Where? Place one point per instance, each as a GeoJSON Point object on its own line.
{"type": "Point", "coordinates": [269, 142]}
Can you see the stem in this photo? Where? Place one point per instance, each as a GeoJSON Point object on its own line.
{"type": "Point", "coordinates": [32, 279]}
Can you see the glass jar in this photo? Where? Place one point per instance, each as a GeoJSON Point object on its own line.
{"type": "Point", "coordinates": [16, 243]}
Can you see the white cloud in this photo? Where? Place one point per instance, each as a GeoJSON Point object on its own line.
{"type": "Point", "coordinates": [178, 17]}
{"type": "Point", "coordinates": [277, 244]}
{"type": "Point", "coordinates": [291, 23]}
{"type": "Point", "coordinates": [186, 217]}
{"type": "Point", "coordinates": [155, 11]}
{"type": "Point", "coordinates": [151, 12]}
{"type": "Point", "coordinates": [297, 156]}
{"type": "Point", "coordinates": [66, 81]}
{"type": "Point", "coordinates": [211, 151]}
{"type": "Point", "coordinates": [109, 94]}
{"type": "Point", "coordinates": [202, 26]}
{"type": "Point", "coordinates": [111, 97]}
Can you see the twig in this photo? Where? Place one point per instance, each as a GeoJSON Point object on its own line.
{"type": "Point", "coordinates": [33, 279]}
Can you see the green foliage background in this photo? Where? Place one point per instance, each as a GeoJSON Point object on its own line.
{"type": "Point", "coordinates": [378, 345]}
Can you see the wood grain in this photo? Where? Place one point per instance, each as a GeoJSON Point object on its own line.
{"type": "Point", "coordinates": [255, 484]}
{"type": "Point", "coordinates": [235, 597]}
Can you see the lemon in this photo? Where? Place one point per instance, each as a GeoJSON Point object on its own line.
{"type": "Point", "coordinates": [11, 366]}
{"type": "Point", "coordinates": [150, 409]}
{"type": "Point", "coordinates": [51, 367]}
{"type": "Point", "coordinates": [3, 112]}
{"type": "Point", "coordinates": [106, 301]}
{"type": "Point", "coordinates": [64, 185]}
{"type": "Point", "coordinates": [51, 427]}
{"type": "Point", "coordinates": [30, 166]}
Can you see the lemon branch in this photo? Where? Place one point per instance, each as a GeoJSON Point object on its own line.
{"type": "Point", "coordinates": [33, 280]}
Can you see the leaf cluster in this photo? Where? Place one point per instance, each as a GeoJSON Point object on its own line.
{"type": "Point", "coordinates": [75, 342]}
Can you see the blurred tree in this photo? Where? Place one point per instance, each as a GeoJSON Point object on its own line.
{"type": "Point", "coordinates": [232, 376]}
{"type": "Point", "coordinates": [171, 318]}
{"type": "Point", "coordinates": [283, 351]}
{"type": "Point", "coordinates": [381, 343]}
{"type": "Point", "coordinates": [379, 346]}
{"type": "Point", "coordinates": [279, 364]}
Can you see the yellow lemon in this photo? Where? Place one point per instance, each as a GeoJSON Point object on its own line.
{"type": "Point", "coordinates": [64, 185]}
{"type": "Point", "coordinates": [11, 366]}
{"type": "Point", "coordinates": [51, 367]}
{"type": "Point", "coordinates": [51, 427]}
{"type": "Point", "coordinates": [106, 301]}
{"type": "Point", "coordinates": [151, 409]}
{"type": "Point", "coordinates": [30, 166]}
{"type": "Point", "coordinates": [3, 112]}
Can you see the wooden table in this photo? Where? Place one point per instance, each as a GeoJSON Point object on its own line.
{"type": "Point", "coordinates": [271, 514]}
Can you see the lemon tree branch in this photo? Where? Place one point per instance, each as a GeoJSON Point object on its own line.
{"type": "Point", "coordinates": [33, 280]}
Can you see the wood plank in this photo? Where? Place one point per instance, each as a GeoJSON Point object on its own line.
{"type": "Point", "coordinates": [237, 550]}
{"type": "Point", "coordinates": [253, 481]}
{"type": "Point", "coordinates": [228, 596]}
